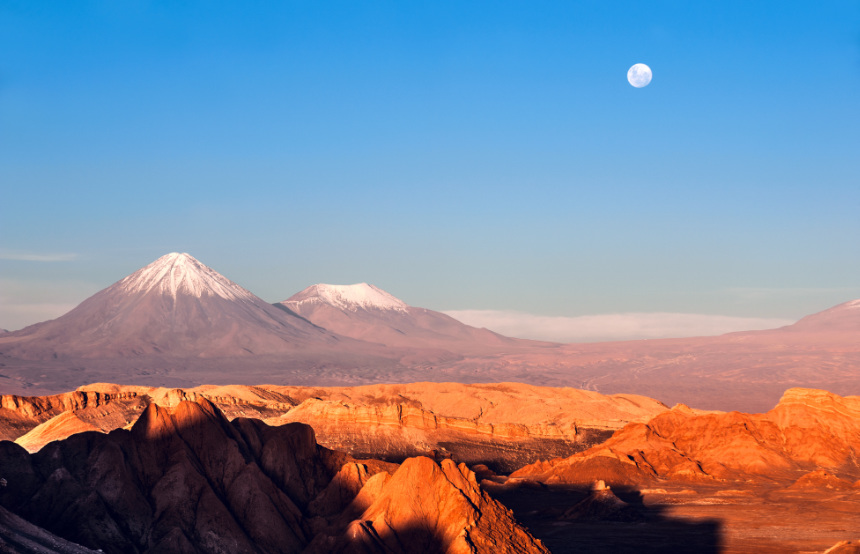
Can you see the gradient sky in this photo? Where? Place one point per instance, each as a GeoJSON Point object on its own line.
{"type": "Point", "coordinates": [460, 155]}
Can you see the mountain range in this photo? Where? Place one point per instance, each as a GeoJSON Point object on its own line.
{"type": "Point", "coordinates": [179, 323]}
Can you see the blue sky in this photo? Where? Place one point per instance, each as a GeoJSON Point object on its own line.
{"type": "Point", "coordinates": [461, 155]}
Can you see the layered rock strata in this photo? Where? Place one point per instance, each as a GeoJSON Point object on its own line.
{"type": "Point", "coordinates": [808, 430]}
{"type": "Point", "coordinates": [503, 425]}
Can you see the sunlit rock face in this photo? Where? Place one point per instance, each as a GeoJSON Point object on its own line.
{"type": "Point", "coordinates": [504, 426]}
{"type": "Point", "coordinates": [102, 410]}
{"type": "Point", "coordinates": [428, 507]}
{"type": "Point", "coordinates": [808, 430]}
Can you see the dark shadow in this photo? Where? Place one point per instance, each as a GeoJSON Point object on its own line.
{"type": "Point", "coordinates": [642, 529]}
{"type": "Point", "coordinates": [500, 456]}
{"type": "Point", "coordinates": [407, 538]}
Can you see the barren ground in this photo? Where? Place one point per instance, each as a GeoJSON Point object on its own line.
{"type": "Point", "coordinates": [693, 519]}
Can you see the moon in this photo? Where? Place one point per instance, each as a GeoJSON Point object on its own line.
{"type": "Point", "coordinates": [639, 75]}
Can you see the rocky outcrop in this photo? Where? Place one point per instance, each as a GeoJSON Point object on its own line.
{"type": "Point", "coordinates": [34, 406]}
{"type": "Point", "coordinates": [820, 480]}
{"type": "Point", "coordinates": [64, 425]}
{"type": "Point", "coordinates": [185, 479]}
{"type": "Point", "coordinates": [20, 414]}
{"type": "Point", "coordinates": [807, 430]}
{"type": "Point", "coordinates": [503, 425]}
{"type": "Point", "coordinates": [428, 507]}
{"type": "Point", "coordinates": [396, 431]}
{"type": "Point", "coordinates": [601, 505]}
{"type": "Point", "coordinates": [819, 428]}
{"type": "Point", "coordinates": [180, 480]}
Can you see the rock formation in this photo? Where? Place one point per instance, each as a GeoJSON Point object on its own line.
{"type": "Point", "coordinates": [807, 430]}
{"type": "Point", "coordinates": [64, 425]}
{"type": "Point", "coordinates": [185, 479]}
{"type": "Point", "coordinates": [819, 481]}
{"type": "Point", "coordinates": [505, 425]}
{"type": "Point", "coordinates": [601, 505]}
{"type": "Point", "coordinates": [105, 411]}
{"type": "Point", "coordinates": [428, 507]}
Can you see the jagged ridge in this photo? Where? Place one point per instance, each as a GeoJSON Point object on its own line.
{"type": "Point", "coordinates": [187, 480]}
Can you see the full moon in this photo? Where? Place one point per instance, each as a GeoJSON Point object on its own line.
{"type": "Point", "coordinates": [639, 75]}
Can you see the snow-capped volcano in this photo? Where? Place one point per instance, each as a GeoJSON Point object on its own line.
{"type": "Point", "coordinates": [174, 274]}
{"type": "Point", "coordinates": [348, 297]}
{"type": "Point", "coordinates": [175, 307]}
{"type": "Point", "coordinates": [368, 313]}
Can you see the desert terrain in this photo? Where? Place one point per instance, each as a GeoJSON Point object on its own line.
{"type": "Point", "coordinates": [631, 476]}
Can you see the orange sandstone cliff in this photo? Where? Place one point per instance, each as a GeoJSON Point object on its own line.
{"type": "Point", "coordinates": [808, 430]}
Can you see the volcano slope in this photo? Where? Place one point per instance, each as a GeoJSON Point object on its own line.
{"type": "Point", "coordinates": [187, 480]}
{"type": "Point", "coordinates": [503, 425]}
{"type": "Point", "coordinates": [785, 480]}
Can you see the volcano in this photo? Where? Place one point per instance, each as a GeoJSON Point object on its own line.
{"type": "Point", "coordinates": [175, 306]}
{"type": "Point", "coordinates": [365, 312]}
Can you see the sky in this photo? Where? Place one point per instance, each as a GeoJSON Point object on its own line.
{"type": "Point", "coordinates": [488, 159]}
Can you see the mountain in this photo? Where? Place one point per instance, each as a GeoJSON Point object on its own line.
{"type": "Point", "coordinates": [175, 306]}
{"type": "Point", "coordinates": [836, 323]}
{"type": "Point", "coordinates": [367, 313]}
{"type": "Point", "coordinates": [185, 479]}
{"type": "Point", "coordinates": [177, 322]}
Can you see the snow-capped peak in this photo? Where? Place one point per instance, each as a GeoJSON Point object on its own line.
{"type": "Point", "coordinates": [177, 273]}
{"type": "Point", "coordinates": [348, 297]}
